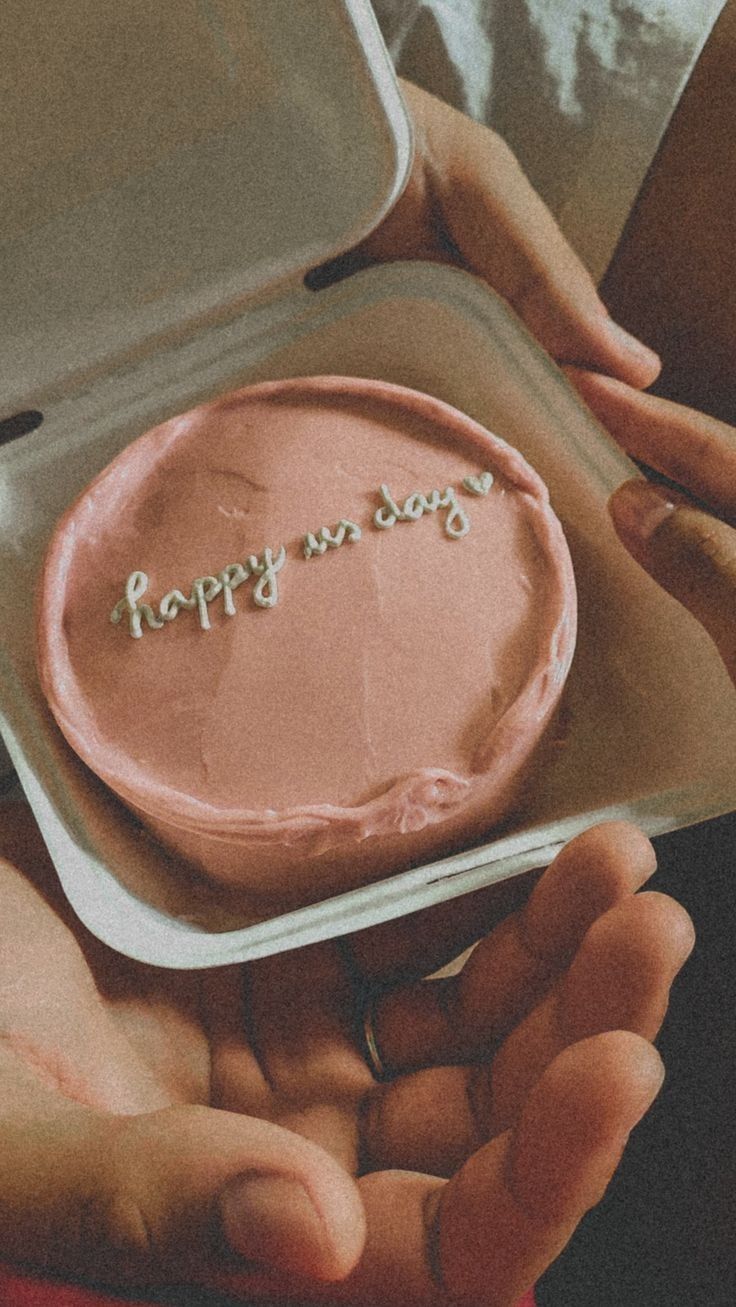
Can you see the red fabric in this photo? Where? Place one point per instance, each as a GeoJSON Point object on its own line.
{"type": "Point", "coordinates": [18, 1290]}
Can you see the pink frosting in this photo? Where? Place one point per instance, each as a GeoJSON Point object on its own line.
{"type": "Point", "coordinates": [382, 711]}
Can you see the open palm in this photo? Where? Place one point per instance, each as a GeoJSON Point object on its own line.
{"type": "Point", "coordinates": [224, 1128]}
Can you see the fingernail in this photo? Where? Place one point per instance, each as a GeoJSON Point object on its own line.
{"type": "Point", "coordinates": [632, 344]}
{"type": "Point", "coordinates": [272, 1220]}
{"type": "Point", "coordinates": [639, 508]}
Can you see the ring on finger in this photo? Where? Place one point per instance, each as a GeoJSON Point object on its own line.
{"type": "Point", "coordinates": [371, 1051]}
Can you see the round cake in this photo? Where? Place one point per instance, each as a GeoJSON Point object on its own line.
{"type": "Point", "coordinates": [310, 633]}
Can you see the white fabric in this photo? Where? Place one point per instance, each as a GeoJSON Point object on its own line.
{"type": "Point", "coordinates": [582, 90]}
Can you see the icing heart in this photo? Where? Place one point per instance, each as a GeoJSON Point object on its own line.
{"type": "Point", "coordinates": [479, 485]}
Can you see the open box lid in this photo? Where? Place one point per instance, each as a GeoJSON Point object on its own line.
{"type": "Point", "coordinates": [165, 163]}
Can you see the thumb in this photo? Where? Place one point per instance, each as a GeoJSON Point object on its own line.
{"type": "Point", "coordinates": [687, 551]}
{"type": "Point", "coordinates": [184, 1194]}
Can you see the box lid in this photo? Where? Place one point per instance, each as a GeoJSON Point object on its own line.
{"type": "Point", "coordinates": [165, 164]}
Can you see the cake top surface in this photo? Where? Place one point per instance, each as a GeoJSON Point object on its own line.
{"type": "Point", "coordinates": [321, 591]}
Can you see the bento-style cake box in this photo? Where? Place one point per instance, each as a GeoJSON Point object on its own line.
{"type": "Point", "coordinates": [161, 216]}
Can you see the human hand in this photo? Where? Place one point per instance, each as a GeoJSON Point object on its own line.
{"type": "Point", "coordinates": [468, 202]}
{"type": "Point", "coordinates": [689, 548]}
{"type": "Point", "coordinates": [224, 1127]}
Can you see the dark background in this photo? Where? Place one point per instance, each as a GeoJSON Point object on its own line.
{"type": "Point", "coordinates": [665, 1234]}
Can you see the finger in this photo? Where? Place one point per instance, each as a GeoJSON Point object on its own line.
{"type": "Point", "coordinates": [487, 1234]}
{"type": "Point", "coordinates": [459, 1019]}
{"type": "Point", "coordinates": [468, 202]}
{"type": "Point", "coordinates": [561, 1157]}
{"type": "Point", "coordinates": [688, 552]}
{"type": "Point", "coordinates": [183, 1193]}
{"type": "Point", "coordinates": [620, 980]}
{"type": "Point", "coordinates": [507, 236]}
{"type": "Point", "coordinates": [300, 1021]}
{"type": "Point", "coordinates": [696, 451]}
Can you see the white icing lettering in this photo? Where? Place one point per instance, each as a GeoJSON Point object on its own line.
{"type": "Point", "coordinates": [414, 506]}
{"type": "Point", "coordinates": [390, 513]}
{"type": "Point", "coordinates": [266, 567]}
{"type": "Point", "coordinates": [266, 593]}
{"type": "Point", "coordinates": [457, 522]}
{"type": "Point", "coordinates": [326, 539]}
{"type": "Point", "coordinates": [135, 588]}
{"type": "Point", "coordinates": [172, 602]}
{"type": "Point", "coordinates": [230, 578]}
{"type": "Point", "coordinates": [204, 590]}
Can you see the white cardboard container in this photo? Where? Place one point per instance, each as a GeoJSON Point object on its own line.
{"type": "Point", "coordinates": [155, 261]}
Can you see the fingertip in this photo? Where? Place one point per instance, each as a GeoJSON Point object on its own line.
{"type": "Point", "coordinates": [642, 933]}
{"type": "Point", "coordinates": [614, 363]}
{"type": "Point", "coordinates": [618, 839]}
{"type": "Point", "coordinates": [513, 1206]}
{"type": "Point", "coordinates": [621, 977]}
{"type": "Point", "coordinates": [620, 1073]}
{"type": "Point", "coordinates": [673, 920]}
{"type": "Point", "coordinates": [633, 361]}
{"type": "Point", "coordinates": [624, 1058]}
{"type": "Point", "coordinates": [638, 508]}
{"type": "Point", "coordinates": [282, 1223]}
{"type": "Point", "coordinates": [688, 552]}
{"type": "Point", "coordinates": [608, 1077]}
{"type": "Point", "coordinates": [594, 871]}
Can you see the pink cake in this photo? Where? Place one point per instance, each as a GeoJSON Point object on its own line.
{"type": "Point", "coordinates": [311, 632]}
